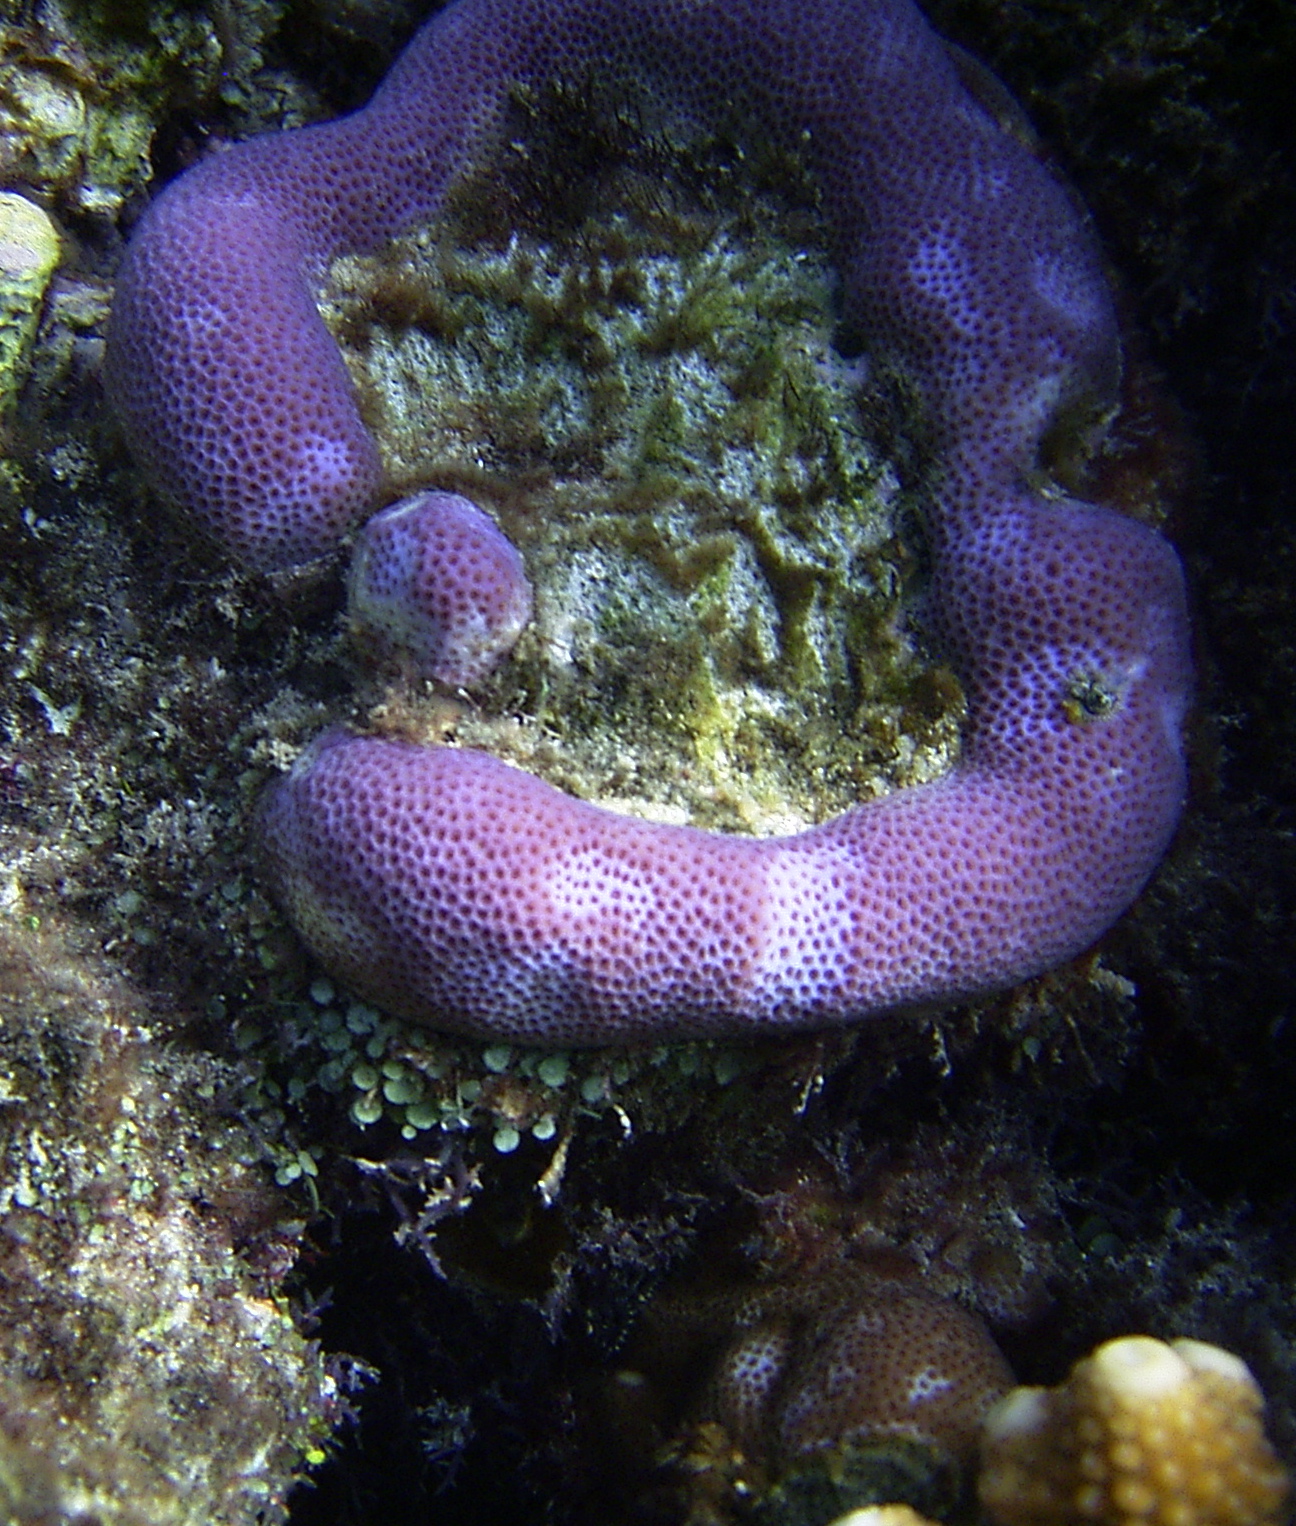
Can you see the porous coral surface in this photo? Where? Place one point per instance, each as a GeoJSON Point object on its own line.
{"type": "Point", "coordinates": [462, 892]}
{"type": "Point", "coordinates": [234, 395]}
{"type": "Point", "coordinates": [982, 282]}
{"type": "Point", "coordinates": [877, 1363]}
{"type": "Point", "coordinates": [146, 695]}
{"type": "Point", "coordinates": [435, 583]}
{"type": "Point", "coordinates": [893, 1364]}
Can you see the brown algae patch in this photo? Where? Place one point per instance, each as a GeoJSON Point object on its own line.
{"type": "Point", "coordinates": [653, 411]}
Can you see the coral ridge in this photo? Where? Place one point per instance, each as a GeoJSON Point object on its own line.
{"type": "Point", "coordinates": [458, 891]}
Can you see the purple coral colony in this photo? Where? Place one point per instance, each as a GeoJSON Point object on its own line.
{"type": "Point", "coordinates": [457, 890]}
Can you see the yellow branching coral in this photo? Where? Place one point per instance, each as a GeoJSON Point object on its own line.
{"type": "Point", "coordinates": [1140, 1434]}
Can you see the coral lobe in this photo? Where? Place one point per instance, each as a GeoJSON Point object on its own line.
{"type": "Point", "coordinates": [434, 581]}
{"type": "Point", "coordinates": [459, 892]}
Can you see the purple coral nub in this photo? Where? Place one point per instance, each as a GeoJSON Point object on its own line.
{"type": "Point", "coordinates": [436, 584]}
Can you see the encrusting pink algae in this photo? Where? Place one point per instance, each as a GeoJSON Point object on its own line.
{"type": "Point", "coordinates": [454, 889]}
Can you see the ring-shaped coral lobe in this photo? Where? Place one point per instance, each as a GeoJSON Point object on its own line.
{"type": "Point", "coordinates": [462, 892]}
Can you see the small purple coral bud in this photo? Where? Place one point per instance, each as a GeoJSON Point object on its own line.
{"type": "Point", "coordinates": [435, 582]}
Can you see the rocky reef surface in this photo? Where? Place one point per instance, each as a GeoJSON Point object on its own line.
{"type": "Point", "coordinates": [256, 1231]}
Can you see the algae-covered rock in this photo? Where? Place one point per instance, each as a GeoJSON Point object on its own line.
{"type": "Point", "coordinates": [29, 253]}
{"type": "Point", "coordinates": [146, 1373]}
{"type": "Point", "coordinates": [84, 89]}
{"type": "Point", "coordinates": [654, 411]}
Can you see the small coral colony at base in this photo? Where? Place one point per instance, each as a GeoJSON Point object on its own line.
{"type": "Point", "coordinates": [459, 891]}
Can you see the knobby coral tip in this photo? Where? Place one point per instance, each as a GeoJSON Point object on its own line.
{"type": "Point", "coordinates": [463, 893]}
{"type": "Point", "coordinates": [434, 582]}
{"type": "Point", "coordinates": [1142, 1431]}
